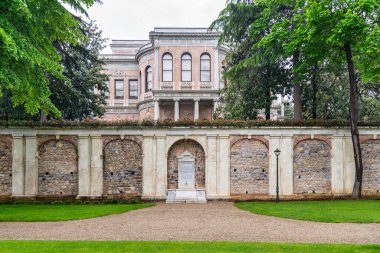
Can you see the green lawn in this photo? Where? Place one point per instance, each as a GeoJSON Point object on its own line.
{"type": "Point", "coordinates": [62, 212]}
{"type": "Point", "coordinates": [356, 211]}
{"type": "Point", "coordinates": [174, 247]}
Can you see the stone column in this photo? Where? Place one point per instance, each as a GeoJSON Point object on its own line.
{"type": "Point", "coordinates": [18, 177]}
{"type": "Point", "coordinates": [176, 109]}
{"type": "Point", "coordinates": [216, 68]}
{"type": "Point", "coordinates": [337, 165]}
{"type": "Point", "coordinates": [148, 168]}
{"type": "Point", "coordinates": [274, 143]}
{"type": "Point", "coordinates": [224, 167]}
{"type": "Point", "coordinates": [156, 109]}
{"type": "Point", "coordinates": [161, 167]}
{"type": "Point", "coordinates": [96, 166]}
{"type": "Point", "coordinates": [84, 175]}
{"type": "Point", "coordinates": [31, 168]}
{"type": "Point", "coordinates": [196, 109]}
{"type": "Point", "coordinates": [156, 59]}
{"type": "Point", "coordinates": [349, 165]}
{"type": "Point", "coordinates": [211, 173]}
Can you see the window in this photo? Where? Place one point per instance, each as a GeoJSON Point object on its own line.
{"type": "Point", "coordinates": [133, 88]}
{"type": "Point", "coordinates": [119, 89]}
{"type": "Point", "coordinates": [186, 67]}
{"type": "Point", "coordinates": [205, 68]}
{"type": "Point", "coordinates": [106, 89]}
{"type": "Point", "coordinates": [148, 79]}
{"type": "Point", "coordinates": [167, 68]}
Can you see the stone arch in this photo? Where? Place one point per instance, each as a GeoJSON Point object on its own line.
{"type": "Point", "coordinates": [122, 174]}
{"type": "Point", "coordinates": [371, 164]}
{"type": "Point", "coordinates": [312, 167]}
{"type": "Point", "coordinates": [196, 150]}
{"type": "Point", "coordinates": [249, 167]}
{"type": "Point", "coordinates": [57, 168]}
{"type": "Point", "coordinates": [5, 169]}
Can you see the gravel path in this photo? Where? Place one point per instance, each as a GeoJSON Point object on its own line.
{"type": "Point", "coordinates": [219, 221]}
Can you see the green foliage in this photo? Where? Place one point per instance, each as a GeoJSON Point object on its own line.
{"type": "Point", "coordinates": [336, 211]}
{"type": "Point", "coordinates": [62, 212]}
{"type": "Point", "coordinates": [28, 29]}
{"type": "Point", "coordinates": [178, 247]}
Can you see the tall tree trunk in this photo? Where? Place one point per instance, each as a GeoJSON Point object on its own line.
{"type": "Point", "coordinates": [354, 114]}
{"type": "Point", "coordinates": [315, 90]}
{"type": "Point", "coordinates": [268, 103]}
{"type": "Point", "coordinates": [296, 88]}
{"type": "Point", "coordinates": [43, 117]}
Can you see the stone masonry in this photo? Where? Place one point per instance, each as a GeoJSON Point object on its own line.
{"type": "Point", "coordinates": [57, 169]}
{"type": "Point", "coordinates": [249, 167]}
{"type": "Point", "coordinates": [5, 169]}
{"type": "Point", "coordinates": [371, 163]}
{"type": "Point", "coordinates": [122, 175]}
{"type": "Point", "coordinates": [312, 167]}
{"type": "Point", "coordinates": [176, 151]}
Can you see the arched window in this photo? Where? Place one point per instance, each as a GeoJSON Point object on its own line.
{"type": "Point", "coordinates": [167, 68]}
{"type": "Point", "coordinates": [186, 67]}
{"type": "Point", "coordinates": [148, 79]}
{"type": "Point", "coordinates": [205, 68]}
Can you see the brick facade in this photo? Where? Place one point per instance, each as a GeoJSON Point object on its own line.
{"type": "Point", "coordinates": [312, 167]}
{"type": "Point", "coordinates": [122, 174]}
{"type": "Point", "coordinates": [57, 169]}
{"type": "Point", "coordinates": [249, 167]}
{"type": "Point", "coordinates": [371, 164]}
{"type": "Point", "coordinates": [175, 152]}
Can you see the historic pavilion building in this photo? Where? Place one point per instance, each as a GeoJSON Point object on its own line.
{"type": "Point", "coordinates": [176, 75]}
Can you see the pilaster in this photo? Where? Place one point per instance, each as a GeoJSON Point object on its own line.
{"type": "Point", "coordinates": [161, 167]}
{"type": "Point", "coordinates": [18, 173]}
{"type": "Point", "coordinates": [96, 166]}
{"type": "Point", "coordinates": [148, 168]}
{"type": "Point", "coordinates": [31, 168]}
{"type": "Point", "coordinates": [84, 173]}
{"type": "Point", "coordinates": [211, 173]}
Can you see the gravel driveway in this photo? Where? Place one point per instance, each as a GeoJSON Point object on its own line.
{"type": "Point", "coordinates": [219, 221]}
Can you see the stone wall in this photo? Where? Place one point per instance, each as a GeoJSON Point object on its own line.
{"type": "Point", "coordinates": [57, 169]}
{"type": "Point", "coordinates": [249, 167]}
{"type": "Point", "coordinates": [312, 167]}
{"type": "Point", "coordinates": [176, 151]}
{"type": "Point", "coordinates": [5, 168]}
{"type": "Point", "coordinates": [122, 174]}
{"type": "Point", "coordinates": [371, 164]}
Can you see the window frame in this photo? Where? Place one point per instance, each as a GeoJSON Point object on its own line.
{"type": "Point", "coordinates": [162, 67]}
{"type": "Point", "coordinates": [146, 79]}
{"type": "Point", "coordinates": [137, 88]}
{"type": "Point", "coordinates": [115, 89]}
{"type": "Point", "coordinates": [200, 68]}
{"type": "Point", "coordinates": [191, 67]}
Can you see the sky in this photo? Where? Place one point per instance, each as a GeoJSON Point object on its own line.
{"type": "Point", "coordinates": [134, 19]}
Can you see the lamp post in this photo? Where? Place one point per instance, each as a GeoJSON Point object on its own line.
{"type": "Point", "coordinates": [277, 153]}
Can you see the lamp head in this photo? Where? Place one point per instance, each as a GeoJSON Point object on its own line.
{"type": "Point", "coordinates": [277, 152]}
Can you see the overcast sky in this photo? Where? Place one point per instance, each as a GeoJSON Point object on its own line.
{"type": "Point", "coordinates": [134, 19]}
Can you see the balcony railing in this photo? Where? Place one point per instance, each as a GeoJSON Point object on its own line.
{"type": "Point", "coordinates": [167, 86]}
{"type": "Point", "coordinates": [186, 85]}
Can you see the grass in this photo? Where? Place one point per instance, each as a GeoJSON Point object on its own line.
{"type": "Point", "coordinates": [334, 211]}
{"type": "Point", "coordinates": [62, 212]}
{"type": "Point", "coordinates": [174, 247]}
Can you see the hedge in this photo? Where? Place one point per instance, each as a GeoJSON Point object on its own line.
{"type": "Point", "coordinates": [220, 123]}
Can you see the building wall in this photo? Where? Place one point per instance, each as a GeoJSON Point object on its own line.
{"type": "Point", "coordinates": [5, 167]}
{"type": "Point", "coordinates": [78, 162]}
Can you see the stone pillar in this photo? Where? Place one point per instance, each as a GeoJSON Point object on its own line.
{"type": "Point", "coordinates": [196, 109]}
{"type": "Point", "coordinates": [84, 175]}
{"type": "Point", "coordinates": [156, 109]}
{"type": "Point", "coordinates": [156, 59]}
{"type": "Point", "coordinates": [337, 165]}
{"type": "Point", "coordinates": [176, 109]}
{"type": "Point", "coordinates": [96, 166]}
{"type": "Point", "coordinates": [211, 173]}
{"type": "Point", "coordinates": [18, 176]}
{"type": "Point", "coordinates": [224, 167]}
{"type": "Point", "coordinates": [148, 168]}
{"type": "Point", "coordinates": [216, 68]}
{"type": "Point", "coordinates": [349, 165]}
{"type": "Point", "coordinates": [31, 167]}
{"type": "Point", "coordinates": [161, 167]}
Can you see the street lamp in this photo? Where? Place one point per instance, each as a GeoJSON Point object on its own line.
{"type": "Point", "coordinates": [277, 153]}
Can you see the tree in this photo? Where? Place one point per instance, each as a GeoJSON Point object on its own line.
{"type": "Point", "coordinates": [28, 29]}
{"type": "Point", "coordinates": [350, 30]}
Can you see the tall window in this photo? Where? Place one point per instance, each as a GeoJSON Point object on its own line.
{"type": "Point", "coordinates": [186, 68]}
{"type": "Point", "coordinates": [148, 79]}
{"type": "Point", "coordinates": [133, 88]}
{"type": "Point", "coordinates": [119, 89]}
{"type": "Point", "coordinates": [205, 68]}
{"type": "Point", "coordinates": [167, 68]}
